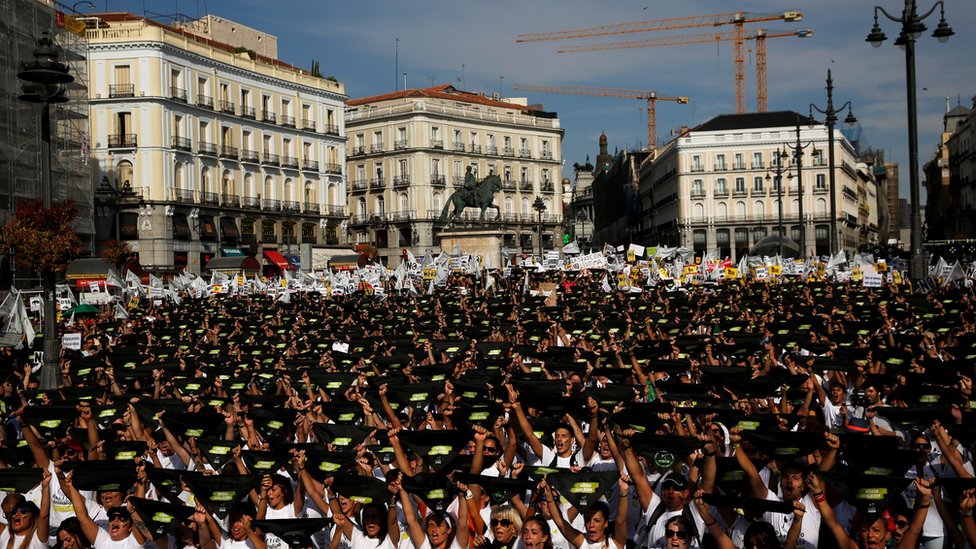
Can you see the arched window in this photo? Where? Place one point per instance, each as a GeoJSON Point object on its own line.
{"type": "Point", "coordinates": [721, 212]}
{"type": "Point", "coordinates": [436, 202]}
{"type": "Point", "coordinates": [269, 190]}
{"type": "Point", "coordinates": [759, 209]}
{"type": "Point", "coordinates": [309, 194]}
{"type": "Point", "coordinates": [287, 193]}
{"type": "Point", "coordinates": [332, 194]}
{"type": "Point", "coordinates": [509, 205]}
{"type": "Point", "coordinates": [740, 210]}
{"type": "Point", "coordinates": [795, 205]}
{"type": "Point", "coordinates": [404, 203]}
{"type": "Point", "coordinates": [821, 207]}
{"type": "Point", "coordinates": [699, 212]}
{"type": "Point", "coordinates": [380, 206]}
{"type": "Point", "coordinates": [525, 206]}
{"type": "Point", "coordinates": [205, 180]}
{"type": "Point", "coordinates": [248, 185]}
{"type": "Point", "coordinates": [362, 208]}
{"type": "Point", "coordinates": [124, 174]}
{"type": "Point", "coordinates": [227, 183]}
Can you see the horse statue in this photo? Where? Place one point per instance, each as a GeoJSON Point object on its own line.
{"type": "Point", "coordinates": [482, 195]}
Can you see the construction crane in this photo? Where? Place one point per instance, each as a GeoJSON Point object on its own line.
{"type": "Point", "coordinates": [759, 35]}
{"type": "Point", "coordinates": [651, 97]}
{"type": "Point", "coordinates": [737, 19]}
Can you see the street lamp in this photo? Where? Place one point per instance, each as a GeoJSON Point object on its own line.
{"type": "Point", "coordinates": [779, 155]}
{"type": "Point", "coordinates": [44, 80]}
{"type": "Point", "coordinates": [539, 206]}
{"type": "Point", "coordinates": [830, 119]}
{"type": "Point", "coordinates": [798, 155]}
{"type": "Point", "coordinates": [911, 28]}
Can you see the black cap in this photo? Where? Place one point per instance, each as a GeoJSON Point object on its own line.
{"type": "Point", "coordinates": [583, 489]}
{"type": "Point", "coordinates": [296, 533]}
{"type": "Point", "coordinates": [160, 517]}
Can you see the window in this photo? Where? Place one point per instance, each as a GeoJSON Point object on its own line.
{"type": "Point", "coordinates": [818, 159]}
{"type": "Point", "coordinates": [435, 167]}
{"type": "Point", "coordinates": [491, 169]}
{"type": "Point", "coordinates": [722, 212]}
{"type": "Point", "coordinates": [378, 138]}
{"type": "Point", "coordinates": [757, 183]}
{"type": "Point", "coordinates": [457, 138]}
{"type": "Point", "coordinates": [740, 184]}
{"type": "Point", "coordinates": [740, 210]}
{"type": "Point", "coordinates": [285, 107]}
{"type": "Point", "coordinates": [458, 169]}
{"type": "Point", "coordinates": [757, 160]}
{"type": "Point", "coordinates": [266, 144]}
{"type": "Point", "coordinates": [380, 205]}
{"type": "Point", "coordinates": [545, 175]}
{"type": "Point", "coordinates": [759, 210]}
{"type": "Point", "coordinates": [361, 172]}
{"type": "Point", "coordinates": [360, 141]}
{"type": "Point", "coordinates": [720, 186]}
{"type": "Point", "coordinates": [508, 173]}
{"type": "Point", "coordinates": [435, 134]}
{"type": "Point", "coordinates": [697, 188]}
{"type": "Point", "coordinates": [402, 166]}
{"type": "Point", "coordinates": [821, 182]}
{"type": "Point", "coordinates": [362, 207]}
{"type": "Point", "coordinates": [739, 163]}
{"type": "Point", "coordinates": [696, 164]}
{"type": "Point", "coordinates": [524, 174]}
{"type": "Point", "coordinates": [720, 162]}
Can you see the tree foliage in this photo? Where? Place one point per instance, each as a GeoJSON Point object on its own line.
{"type": "Point", "coordinates": [44, 239]}
{"type": "Point", "coordinates": [116, 252]}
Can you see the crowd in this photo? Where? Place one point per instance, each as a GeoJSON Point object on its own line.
{"type": "Point", "coordinates": [760, 414]}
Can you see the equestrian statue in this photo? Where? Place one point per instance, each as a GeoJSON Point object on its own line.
{"type": "Point", "coordinates": [477, 194]}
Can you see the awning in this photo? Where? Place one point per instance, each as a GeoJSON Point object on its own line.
{"type": "Point", "coordinates": [276, 258]}
{"type": "Point", "coordinates": [208, 231]}
{"type": "Point", "coordinates": [231, 252]}
{"type": "Point", "coordinates": [181, 227]}
{"type": "Point", "coordinates": [90, 268]}
{"type": "Point", "coordinates": [229, 230]}
{"type": "Point", "coordinates": [234, 264]}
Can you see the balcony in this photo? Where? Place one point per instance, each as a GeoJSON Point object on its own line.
{"type": "Point", "coordinates": [476, 149]}
{"type": "Point", "coordinates": [268, 116]}
{"type": "Point", "coordinates": [721, 167]}
{"type": "Point", "coordinates": [739, 193]}
{"type": "Point", "coordinates": [525, 153]}
{"type": "Point", "coordinates": [721, 193]}
{"type": "Point", "coordinates": [270, 159]}
{"type": "Point", "coordinates": [376, 148]}
{"type": "Point", "coordinates": [548, 187]}
{"type": "Point", "coordinates": [121, 90]}
{"type": "Point", "coordinates": [405, 215]}
{"type": "Point", "coordinates": [850, 193]}
{"type": "Point", "coordinates": [525, 185]}
{"type": "Point", "coordinates": [331, 129]}
{"type": "Point", "coordinates": [209, 198]}
{"type": "Point", "coordinates": [181, 143]}
{"type": "Point", "coordinates": [288, 121]}
{"type": "Point", "coordinates": [377, 183]}
{"type": "Point", "coordinates": [308, 125]}
{"type": "Point", "coordinates": [758, 192]}
{"type": "Point", "coordinates": [335, 169]}
{"type": "Point", "coordinates": [359, 185]}
{"type": "Point", "coordinates": [508, 151]}
{"type": "Point", "coordinates": [231, 200]}
{"type": "Point", "coordinates": [251, 203]}
{"type": "Point", "coordinates": [226, 107]}
{"type": "Point", "coordinates": [357, 151]}
{"type": "Point", "coordinates": [401, 181]}
{"type": "Point", "coordinates": [758, 165]}
{"type": "Point", "coordinates": [457, 181]}
{"type": "Point", "coordinates": [289, 162]}
{"type": "Point", "coordinates": [247, 155]}
{"type": "Point", "coordinates": [334, 211]}
{"type": "Point", "coordinates": [819, 162]}
{"type": "Point", "coordinates": [459, 147]}
{"type": "Point", "coordinates": [438, 181]}
{"type": "Point", "coordinates": [819, 189]}
{"type": "Point", "coordinates": [739, 166]}
{"type": "Point", "coordinates": [436, 144]}
{"type": "Point", "coordinates": [310, 165]}
{"type": "Point", "coordinates": [248, 112]}
{"type": "Point", "coordinates": [546, 155]}
{"type": "Point", "coordinates": [270, 204]}
{"type": "Point", "coordinates": [177, 94]}
{"type": "Point", "coordinates": [182, 195]}
{"type": "Point", "coordinates": [699, 194]}
{"type": "Point", "coordinates": [400, 145]}
{"type": "Point", "coordinates": [206, 148]}
{"type": "Point", "coordinates": [204, 101]}
{"type": "Point", "coordinates": [509, 184]}
{"type": "Point", "coordinates": [310, 207]}
{"type": "Point", "coordinates": [290, 206]}
{"type": "Point", "coordinates": [122, 141]}
{"type": "Point", "coordinates": [697, 168]}
{"type": "Point", "coordinates": [227, 151]}
{"type": "Point", "coordinates": [491, 150]}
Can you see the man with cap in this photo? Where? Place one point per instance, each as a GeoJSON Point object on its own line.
{"type": "Point", "coordinates": [121, 532]}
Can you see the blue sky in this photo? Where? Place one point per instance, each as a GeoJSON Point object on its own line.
{"type": "Point", "coordinates": [472, 45]}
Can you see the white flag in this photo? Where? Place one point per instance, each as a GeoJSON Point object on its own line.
{"type": "Point", "coordinates": [120, 312]}
{"type": "Point", "coordinates": [605, 284]}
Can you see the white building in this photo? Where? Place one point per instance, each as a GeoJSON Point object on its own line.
{"type": "Point", "coordinates": [227, 149]}
{"type": "Point", "coordinates": [714, 187]}
{"type": "Point", "coordinates": [409, 150]}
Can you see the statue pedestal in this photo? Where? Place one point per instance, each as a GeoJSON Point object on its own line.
{"type": "Point", "coordinates": [483, 241]}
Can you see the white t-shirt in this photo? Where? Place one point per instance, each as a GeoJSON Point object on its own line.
{"type": "Point", "coordinates": [228, 542]}
{"type": "Point", "coordinates": [548, 455]}
{"type": "Point", "coordinates": [809, 531]}
{"type": "Point", "coordinates": [104, 541]}
{"type": "Point", "coordinates": [360, 541]}
{"type": "Point", "coordinates": [286, 512]}
{"type": "Point", "coordinates": [18, 540]}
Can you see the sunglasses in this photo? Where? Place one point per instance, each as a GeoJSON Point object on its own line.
{"type": "Point", "coordinates": [17, 511]}
{"type": "Point", "coordinates": [503, 522]}
{"type": "Point", "coordinates": [490, 450]}
{"type": "Point", "coordinates": [675, 533]}
{"type": "Point", "coordinates": [119, 518]}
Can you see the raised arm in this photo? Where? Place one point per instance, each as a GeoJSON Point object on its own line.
{"type": "Point", "coordinates": [827, 513]}
{"type": "Point", "coordinates": [88, 526]}
{"type": "Point", "coordinates": [923, 500]}
{"type": "Point", "coordinates": [572, 535]}
{"type": "Point", "coordinates": [645, 494]}
{"type": "Point", "coordinates": [534, 443]}
{"type": "Point", "coordinates": [757, 487]}
{"type": "Point", "coordinates": [620, 520]}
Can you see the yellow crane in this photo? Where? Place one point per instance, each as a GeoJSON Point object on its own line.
{"type": "Point", "coordinates": [759, 36]}
{"type": "Point", "coordinates": [736, 19]}
{"type": "Point", "coordinates": [650, 96]}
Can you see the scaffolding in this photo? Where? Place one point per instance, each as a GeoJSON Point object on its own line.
{"type": "Point", "coordinates": [20, 136]}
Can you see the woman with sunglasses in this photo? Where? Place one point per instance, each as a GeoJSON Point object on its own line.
{"type": "Point", "coordinates": [27, 525]}
{"type": "Point", "coordinates": [680, 534]}
{"type": "Point", "coordinates": [505, 526]}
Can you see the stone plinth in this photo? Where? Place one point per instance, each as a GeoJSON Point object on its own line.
{"type": "Point", "coordinates": [481, 241]}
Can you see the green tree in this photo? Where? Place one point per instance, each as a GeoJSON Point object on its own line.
{"type": "Point", "coordinates": [316, 70]}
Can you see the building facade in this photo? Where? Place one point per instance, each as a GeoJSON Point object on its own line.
{"type": "Point", "coordinates": [207, 148]}
{"type": "Point", "coordinates": [409, 150]}
{"type": "Point", "coordinates": [20, 136]}
{"type": "Point", "coordinates": [715, 187]}
{"type": "Point", "coordinates": [950, 210]}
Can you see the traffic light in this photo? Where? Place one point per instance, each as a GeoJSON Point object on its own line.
{"type": "Point", "coordinates": [566, 238]}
